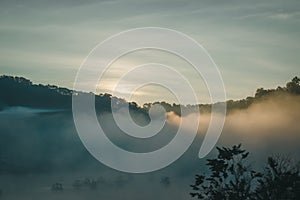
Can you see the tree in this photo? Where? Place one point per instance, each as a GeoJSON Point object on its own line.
{"type": "Point", "coordinates": [260, 92]}
{"type": "Point", "coordinates": [281, 181]}
{"type": "Point", "coordinates": [230, 177]}
{"type": "Point", "coordinates": [294, 86]}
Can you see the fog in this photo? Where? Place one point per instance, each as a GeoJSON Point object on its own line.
{"type": "Point", "coordinates": [268, 125]}
{"type": "Point", "coordinates": [41, 147]}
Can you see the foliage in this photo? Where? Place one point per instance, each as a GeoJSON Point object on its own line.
{"type": "Point", "coordinates": [294, 86]}
{"type": "Point", "coordinates": [22, 92]}
{"type": "Point", "coordinates": [281, 180]}
{"type": "Point", "coordinates": [231, 178]}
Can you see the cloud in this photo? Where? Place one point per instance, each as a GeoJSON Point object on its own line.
{"type": "Point", "coordinates": [56, 39]}
{"type": "Point", "coordinates": [284, 15]}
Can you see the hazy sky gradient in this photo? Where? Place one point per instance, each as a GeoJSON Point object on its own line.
{"type": "Point", "coordinates": [254, 43]}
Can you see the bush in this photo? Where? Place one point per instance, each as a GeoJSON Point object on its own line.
{"type": "Point", "coordinates": [232, 179]}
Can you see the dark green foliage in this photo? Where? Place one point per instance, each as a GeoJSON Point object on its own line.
{"type": "Point", "coordinates": [22, 92]}
{"type": "Point", "coordinates": [294, 86]}
{"type": "Point", "coordinates": [260, 92]}
{"type": "Point", "coordinates": [281, 180]}
{"type": "Point", "coordinates": [232, 179]}
{"type": "Point", "coordinates": [18, 91]}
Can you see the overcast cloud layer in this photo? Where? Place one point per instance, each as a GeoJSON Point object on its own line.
{"type": "Point", "coordinates": [256, 42]}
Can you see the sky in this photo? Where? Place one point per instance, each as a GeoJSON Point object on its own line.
{"type": "Point", "coordinates": [254, 43]}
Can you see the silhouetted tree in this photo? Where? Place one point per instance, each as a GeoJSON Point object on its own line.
{"type": "Point", "coordinates": [294, 86]}
{"type": "Point", "coordinates": [261, 92]}
{"type": "Point", "coordinates": [281, 180]}
{"type": "Point", "coordinates": [230, 177]}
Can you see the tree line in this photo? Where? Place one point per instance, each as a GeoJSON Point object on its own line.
{"type": "Point", "coordinates": [22, 92]}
